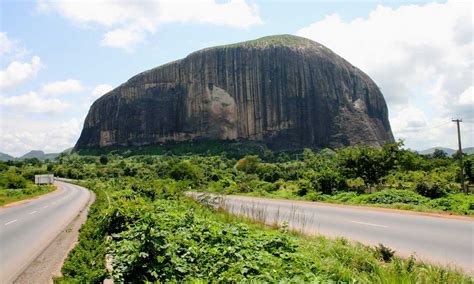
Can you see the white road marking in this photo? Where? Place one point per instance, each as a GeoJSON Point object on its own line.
{"type": "Point", "coordinates": [11, 222]}
{"type": "Point", "coordinates": [45, 206]}
{"type": "Point", "coordinates": [33, 212]}
{"type": "Point", "coordinates": [370, 224]}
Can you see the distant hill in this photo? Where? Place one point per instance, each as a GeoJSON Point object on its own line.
{"type": "Point", "coordinates": [449, 151]}
{"type": "Point", "coordinates": [41, 155]}
{"type": "Point", "coordinates": [5, 157]}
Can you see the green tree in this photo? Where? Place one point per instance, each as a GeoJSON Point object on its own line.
{"type": "Point", "coordinates": [439, 154]}
{"type": "Point", "coordinates": [185, 170]}
{"type": "Point", "coordinates": [248, 164]}
{"type": "Point", "coordinates": [468, 165]}
{"type": "Point", "coordinates": [13, 181]}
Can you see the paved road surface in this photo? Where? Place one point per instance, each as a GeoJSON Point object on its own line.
{"type": "Point", "coordinates": [439, 240]}
{"type": "Point", "coordinates": [27, 229]}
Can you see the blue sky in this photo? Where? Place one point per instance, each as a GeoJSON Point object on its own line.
{"type": "Point", "coordinates": [58, 56]}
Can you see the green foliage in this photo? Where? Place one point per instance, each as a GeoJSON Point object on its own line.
{"type": "Point", "coordinates": [469, 170]}
{"type": "Point", "coordinates": [155, 234]}
{"type": "Point", "coordinates": [390, 196]}
{"type": "Point", "coordinates": [176, 244]}
{"type": "Point", "coordinates": [356, 184]}
{"type": "Point", "coordinates": [248, 164]}
{"type": "Point", "coordinates": [439, 154]}
{"type": "Point", "coordinates": [431, 190]}
{"type": "Point", "coordinates": [185, 170]}
{"type": "Point", "coordinates": [12, 180]}
{"type": "Point", "coordinates": [385, 253]}
{"type": "Point", "coordinates": [103, 160]}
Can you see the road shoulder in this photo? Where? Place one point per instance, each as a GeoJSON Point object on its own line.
{"type": "Point", "coordinates": [48, 264]}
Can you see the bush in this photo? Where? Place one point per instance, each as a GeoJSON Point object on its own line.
{"type": "Point", "coordinates": [174, 244]}
{"type": "Point", "coordinates": [184, 170]}
{"type": "Point", "coordinates": [385, 253]}
{"type": "Point", "coordinates": [103, 160]}
{"type": "Point", "coordinates": [329, 181]}
{"type": "Point", "coordinates": [431, 190]}
{"type": "Point", "coordinates": [315, 196]}
{"type": "Point", "coordinates": [344, 196]}
{"type": "Point", "coordinates": [13, 181]}
{"type": "Point", "coordinates": [391, 196]}
{"type": "Point", "coordinates": [356, 184]}
{"type": "Point", "coordinates": [248, 164]}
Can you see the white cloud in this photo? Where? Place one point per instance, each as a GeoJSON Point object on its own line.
{"type": "Point", "coordinates": [62, 87]}
{"type": "Point", "coordinates": [10, 47]}
{"type": "Point", "coordinates": [405, 48]}
{"type": "Point", "coordinates": [100, 90]}
{"type": "Point", "coordinates": [419, 55]}
{"type": "Point", "coordinates": [236, 13]}
{"type": "Point", "coordinates": [33, 103]}
{"type": "Point", "coordinates": [420, 132]}
{"type": "Point", "coordinates": [122, 38]}
{"type": "Point", "coordinates": [18, 72]}
{"type": "Point", "coordinates": [21, 134]}
{"type": "Point", "coordinates": [127, 22]}
{"type": "Point", "coordinates": [467, 98]}
{"type": "Point", "coordinates": [410, 119]}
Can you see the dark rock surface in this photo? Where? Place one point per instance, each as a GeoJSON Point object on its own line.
{"type": "Point", "coordinates": [285, 91]}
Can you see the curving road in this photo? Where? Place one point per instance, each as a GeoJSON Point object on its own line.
{"type": "Point", "coordinates": [27, 229]}
{"type": "Point", "coordinates": [447, 241]}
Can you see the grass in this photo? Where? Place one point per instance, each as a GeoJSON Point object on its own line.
{"type": "Point", "coordinates": [12, 195]}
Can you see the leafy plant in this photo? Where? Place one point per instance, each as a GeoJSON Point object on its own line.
{"type": "Point", "coordinates": [385, 253]}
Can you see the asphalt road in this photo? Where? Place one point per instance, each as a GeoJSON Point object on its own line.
{"type": "Point", "coordinates": [27, 229]}
{"type": "Point", "coordinates": [446, 241]}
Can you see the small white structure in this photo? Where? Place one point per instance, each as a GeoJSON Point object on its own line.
{"type": "Point", "coordinates": [44, 179]}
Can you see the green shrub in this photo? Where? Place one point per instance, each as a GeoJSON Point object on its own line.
{"type": "Point", "coordinates": [179, 245]}
{"type": "Point", "coordinates": [248, 164]}
{"type": "Point", "coordinates": [385, 253]}
{"type": "Point", "coordinates": [356, 184]}
{"type": "Point", "coordinates": [13, 181]}
{"type": "Point", "coordinates": [185, 170]}
{"type": "Point", "coordinates": [315, 196]}
{"type": "Point", "coordinates": [391, 196]}
{"type": "Point", "coordinates": [103, 160]}
{"type": "Point", "coordinates": [431, 190]}
{"type": "Point", "coordinates": [329, 181]}
{"type": "Point", "coordinates": [344, 196]}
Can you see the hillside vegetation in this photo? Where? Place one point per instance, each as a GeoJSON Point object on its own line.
{"type": "Point", "coordinates": [387, 177]}
{"type": "Point", "coordinates": [148, 230]}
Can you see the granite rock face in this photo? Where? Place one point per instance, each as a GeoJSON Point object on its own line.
{"type": "Point", "coordinates": [285, 91]}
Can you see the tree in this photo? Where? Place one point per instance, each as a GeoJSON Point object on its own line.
{"type": "Point", "coordinates": [248, 164]}
{"type": "Point", "coordinates": [185, 170]}
{"type": "Point", "coordinates": [14, 181]}
{"type": "Point", "coordinates": [439, 154]}
{"type": "Point", "coordinates": [468, 165]}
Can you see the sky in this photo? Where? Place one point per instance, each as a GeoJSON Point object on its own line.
{"type": "Point", "coordinates": [58, 56]}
